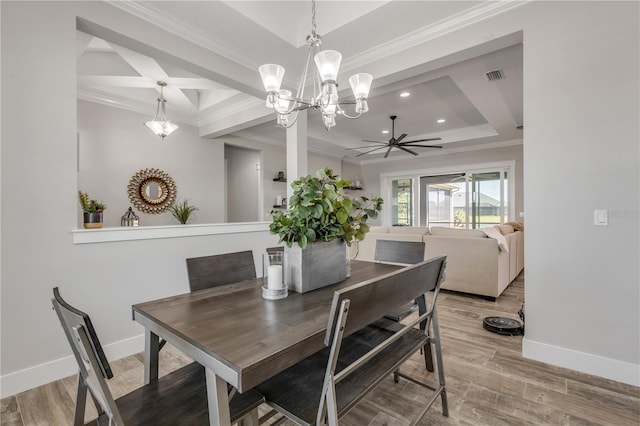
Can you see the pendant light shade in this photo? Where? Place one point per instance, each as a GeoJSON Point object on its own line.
{"type": "Point", "coordinates": [160, 125]}
{"type": "Point", "coordinates": [328, 64]}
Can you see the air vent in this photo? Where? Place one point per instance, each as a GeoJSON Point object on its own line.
{"type": "Point", "coordinates": [495, 75]}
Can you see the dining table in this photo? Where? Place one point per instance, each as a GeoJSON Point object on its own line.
{"type": "Point", "coordinates": [239, 337]}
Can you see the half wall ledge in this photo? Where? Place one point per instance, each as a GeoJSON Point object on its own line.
{"type": "Point", "coordinates": [107, 235]}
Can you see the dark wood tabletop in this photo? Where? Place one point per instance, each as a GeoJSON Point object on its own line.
{"type": "Point", "coordinates": [253, 337]}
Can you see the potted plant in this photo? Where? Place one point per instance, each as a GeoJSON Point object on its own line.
{"type": "Point", "coordinates": [319, 223]}
{"type": "Point", "coordinates": [92, 211]}
{"type": "Point", "coordinates": [182, 211]}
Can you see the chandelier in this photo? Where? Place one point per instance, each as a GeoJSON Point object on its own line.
{"type": "Point", "coordinates": [160, 125]}
{"type": "Point", "coordinates": [325, 88]}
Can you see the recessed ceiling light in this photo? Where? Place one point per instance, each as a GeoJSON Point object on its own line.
{"type": "Point", "coordinates": [385, 132]}
{"type": "Point", "coordinates": [405, 94]}
{"type": "Point", "coordinates": [441, 120]}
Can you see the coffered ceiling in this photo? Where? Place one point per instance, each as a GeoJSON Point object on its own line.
{"type": "Point", "coordinates": [477, 112]}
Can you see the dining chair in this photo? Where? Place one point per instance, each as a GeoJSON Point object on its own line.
{"type": "Point", "coordinates": [220, 269]}
{"type": "Point", "coordinates": [363, 348]}
{"type": "Point", "coordinates": [403, 253]}
{"type": "Point", "coordinates": [179, 397]}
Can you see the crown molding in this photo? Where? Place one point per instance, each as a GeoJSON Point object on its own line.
{"type": "Point", "coordinates": [116, 102]}
{"type": "Point", "coordinates": [281, 144]}
{"type": "Point", "coordinates": [248, 103]}
{"type": "Point", "coordinates": [185, 31]}
{"type": "Point", "coordinates": [479, 147]}
{"type": "Point", "coordinates": [438, 29]}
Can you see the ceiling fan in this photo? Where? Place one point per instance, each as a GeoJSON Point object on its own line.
{"type": "Point", "coordinates": [396, 143]}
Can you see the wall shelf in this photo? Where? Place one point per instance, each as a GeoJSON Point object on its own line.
{"type": "Point", "coordinates": [279, 180]}
{"type": "Point", "coordinates": [353, 188]}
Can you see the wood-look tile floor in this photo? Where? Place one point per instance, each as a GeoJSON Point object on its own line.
{"type": "Point", "coordinates": [488, 382]}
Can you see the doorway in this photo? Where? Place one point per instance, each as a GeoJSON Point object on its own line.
{"type": "Point", "coordinates": [242, 183]}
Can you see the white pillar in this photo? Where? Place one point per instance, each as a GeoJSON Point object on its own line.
{"type": "Point", "coordinates": [296, 151]}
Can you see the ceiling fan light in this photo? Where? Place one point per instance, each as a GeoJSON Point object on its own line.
{"type": "Point", "coordinates": [328, 64]}
{"type": "Point", "coordinates": [360, 85]}
{"type": "Point", "coordinates": [272, 75]}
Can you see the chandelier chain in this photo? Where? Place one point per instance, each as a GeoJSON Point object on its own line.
{"type": "Point", "coordinates": [313, 18]}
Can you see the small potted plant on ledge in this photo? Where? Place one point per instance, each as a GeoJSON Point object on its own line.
{"type": "Point", "coordinates": [92, 211]}
{"type": "Point", "coordinates": [319, 223]}
{"type": "Point", "coordinates": [182, 211]}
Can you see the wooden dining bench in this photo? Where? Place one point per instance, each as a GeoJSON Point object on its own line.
{"type": "Point", "coordinates": [363, 348]}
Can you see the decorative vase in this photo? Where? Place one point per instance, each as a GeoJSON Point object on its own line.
{"type": "Point", "coordinates": [318, 265]}
{"type": "Point", "coordinates": [92, 220]}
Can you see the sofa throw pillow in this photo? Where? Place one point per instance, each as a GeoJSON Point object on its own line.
{"type": "Point", "coordinates": [518, 226]}
{"type": "Point", "coordinates": [506, 229]}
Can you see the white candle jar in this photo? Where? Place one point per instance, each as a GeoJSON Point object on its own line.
{"type": "Point", "coordinates": [273, 275]}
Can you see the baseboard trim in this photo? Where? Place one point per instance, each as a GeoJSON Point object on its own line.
{"type": "Point", "coordinates": [596, 365]}
{"type": "Point", "coordinates": [20, 381]}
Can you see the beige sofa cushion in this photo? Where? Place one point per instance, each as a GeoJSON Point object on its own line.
{"type": "Point", "coordinates": [379, 229]}
{"type": "Point", "coordinates": [412, 230]}
{"type": "Point", "coordinates": [453, 232]}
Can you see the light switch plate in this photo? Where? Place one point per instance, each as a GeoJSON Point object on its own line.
{"type": "Point", "coordinates": [601, 218]}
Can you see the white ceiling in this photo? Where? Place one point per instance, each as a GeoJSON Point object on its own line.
{"type": "Point", "coordinates": [478, 112]}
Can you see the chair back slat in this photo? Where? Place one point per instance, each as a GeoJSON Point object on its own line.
{"type": "Point", "coordinates": [212, 271]}
{"type": "Point", "coordinates": [371, 300]}
{"type": "Point", "coordinates": [89, 355]}
{"type": "Point", "coordinates": [407, 252]}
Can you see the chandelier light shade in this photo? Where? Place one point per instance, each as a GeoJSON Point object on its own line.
{"type": "Point", "coordinates": [160, 125]}
{"type": "Point", "coordinates": [325, 87]}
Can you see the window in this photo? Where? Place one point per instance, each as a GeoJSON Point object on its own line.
{"type": "Point", "coordinates": [471, 199]}
{"type": "Point", "coordinates": [402, 202]}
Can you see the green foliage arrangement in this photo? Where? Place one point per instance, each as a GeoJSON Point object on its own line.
{"type": "Point", "coordinates": [320, 211]}
{"type": "Point", "coordinates": [181, 210]}
{"type": "Point", "coordinates": [88, 205]}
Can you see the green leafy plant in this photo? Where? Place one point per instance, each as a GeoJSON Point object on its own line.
{"type": "Point", "coordinates": [320, 211]}
{"type": "Point", "coordinates": [182, 211]}
{"type": "Point", "coordinates": [88, 205]}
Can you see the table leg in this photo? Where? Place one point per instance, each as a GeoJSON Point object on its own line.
{"type": "Point", "coordinates": [151, 354]}
{"type": "Point", "coordinates": [218, 397]}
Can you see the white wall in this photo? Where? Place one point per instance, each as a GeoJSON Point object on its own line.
{"type": "Point", "coordinates": [243, 176]}
{"type": "Point", "coordinates": [40, 208]}
{"type": "Point", "coordinates": [114, 145]}
{"type": "Point", "coordinates": [580, 153]}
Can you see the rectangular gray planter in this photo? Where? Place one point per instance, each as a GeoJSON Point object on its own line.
{"type": "Point", "coordinates": [320, 264]}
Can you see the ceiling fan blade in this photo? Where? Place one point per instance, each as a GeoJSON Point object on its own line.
{"type": "Point", "coordinates": [366, 146]}
{"type": "Point", "coordinates": [422, 146]}
{"type": "Point", "coordinates": [366, 140]}
{"type": "Point", "coordinates": [408, 150]}
{"type": "Point", "coordinates": [388, 151]}
{"type": "Point", "coordinates": [402, 136]}
{"type": "Point", "coordinates": [376, 149]}
{"type": "Point", "coordinates": [424, 140]}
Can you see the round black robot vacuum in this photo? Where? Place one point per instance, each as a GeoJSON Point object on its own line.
{"type": "Point", "coordinates": [502, 325]}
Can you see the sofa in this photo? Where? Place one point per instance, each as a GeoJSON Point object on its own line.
{"type": "Point", "coordinates": [476, 263]}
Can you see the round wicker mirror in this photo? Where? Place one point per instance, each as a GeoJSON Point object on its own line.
{"type": "Point", "coordinates": [152, 191]}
